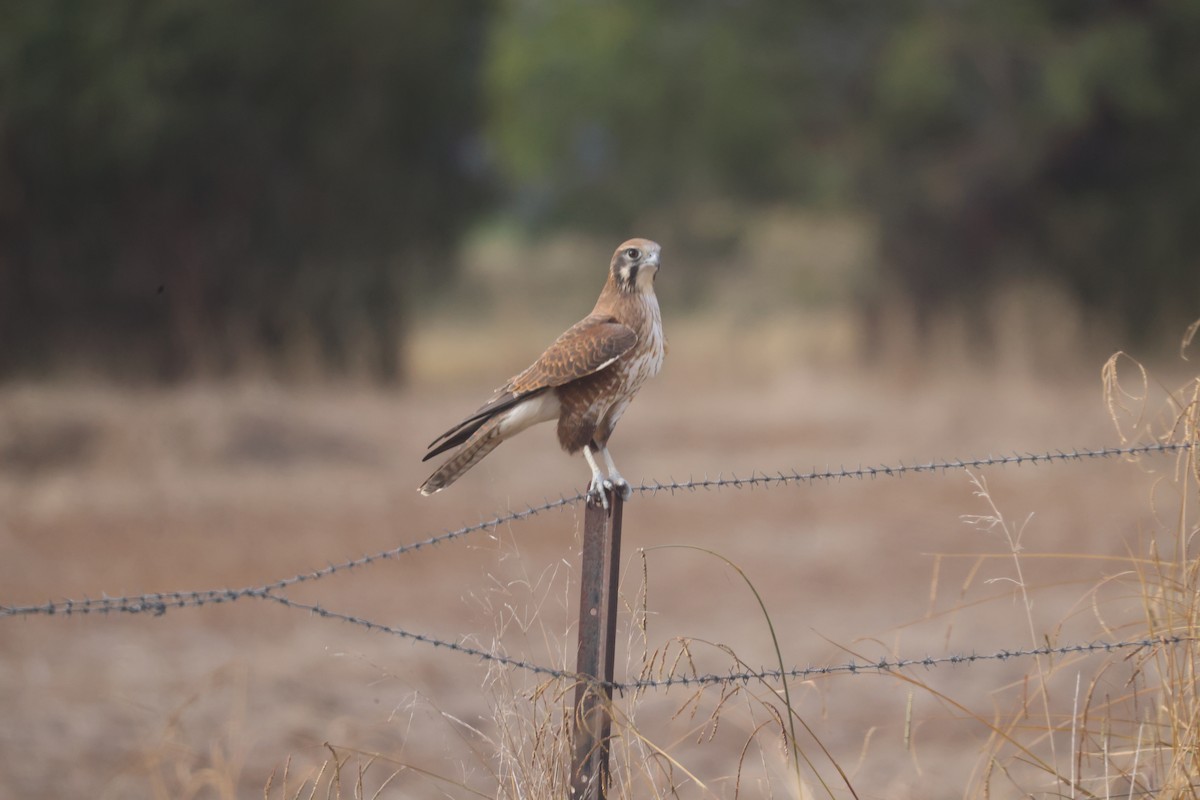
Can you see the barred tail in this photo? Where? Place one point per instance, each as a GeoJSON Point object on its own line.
{"type": "Point", "coordinates": [484, 441]}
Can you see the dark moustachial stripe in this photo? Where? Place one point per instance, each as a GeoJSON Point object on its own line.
{"type": "Point", "coordinates": [633, 271]}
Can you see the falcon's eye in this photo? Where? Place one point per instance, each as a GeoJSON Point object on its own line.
{"type": "Point", "coordinates": [633, 253]}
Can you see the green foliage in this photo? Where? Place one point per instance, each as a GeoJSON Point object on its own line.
{"type": "Point", "coordinates": [281, 171]}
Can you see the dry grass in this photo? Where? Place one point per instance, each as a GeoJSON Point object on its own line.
{"type": "Point", "coordinates": [113, 490]}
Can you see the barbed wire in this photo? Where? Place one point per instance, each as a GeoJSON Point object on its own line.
{"type": "Point", "coordinates": [160, 602]}
{"type": "Point", "coordinates": [743, 677]}
{"type": "Point", "coordinates": [861, 473]}
{"type": "Point", "coordinates": [458, 647]}
{"type": "Point", "coordinates": [891, 665]}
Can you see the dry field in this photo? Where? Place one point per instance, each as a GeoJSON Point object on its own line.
{"type": "Point", "coordinates": [125, 491]}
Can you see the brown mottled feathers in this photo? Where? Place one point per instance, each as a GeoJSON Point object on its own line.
{"type": "Point", "coordinates": [588, 346]}
{"type": "Point", "coordinates": [577, 422]}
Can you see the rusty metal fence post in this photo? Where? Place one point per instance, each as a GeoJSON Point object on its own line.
{"type": "Point", "coordinates": [600, 575]}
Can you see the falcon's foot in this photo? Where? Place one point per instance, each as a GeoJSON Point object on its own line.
{"type": "Point", "coordinates": [597, 494]}
{"type": "Point", "coordinates": [619, 485]}
{"type": "Point", "coordinates": [615, 481]}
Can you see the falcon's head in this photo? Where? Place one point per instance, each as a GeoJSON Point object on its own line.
{"type": "Point", "coordinates": [634, 265]}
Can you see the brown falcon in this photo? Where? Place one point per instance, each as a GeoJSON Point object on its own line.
{"type": "Point", "coordinates": [585, 380]}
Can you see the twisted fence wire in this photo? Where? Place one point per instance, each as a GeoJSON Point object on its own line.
{"type": "Point", "coordinates": [160, 602]}
{"type": "Point", "coordinates": [746, 676]}
{"type": "Point", "coordinates": [778, 478]}
{"type": "Point", "coordinates": [890, 665]}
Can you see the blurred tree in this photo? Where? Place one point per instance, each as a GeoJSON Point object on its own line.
{"type": "Point", "coordinates": [1048, 136]}
{"type": "Point", "coordinates": [189, 184]}
{"type": "Point", "coordinates": [1051, 137]}
{"type": "Point", "coordinates": [600, 111]}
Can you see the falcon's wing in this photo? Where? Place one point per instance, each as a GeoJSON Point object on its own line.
{"type": "Point", "coordinates": [586, 347]}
